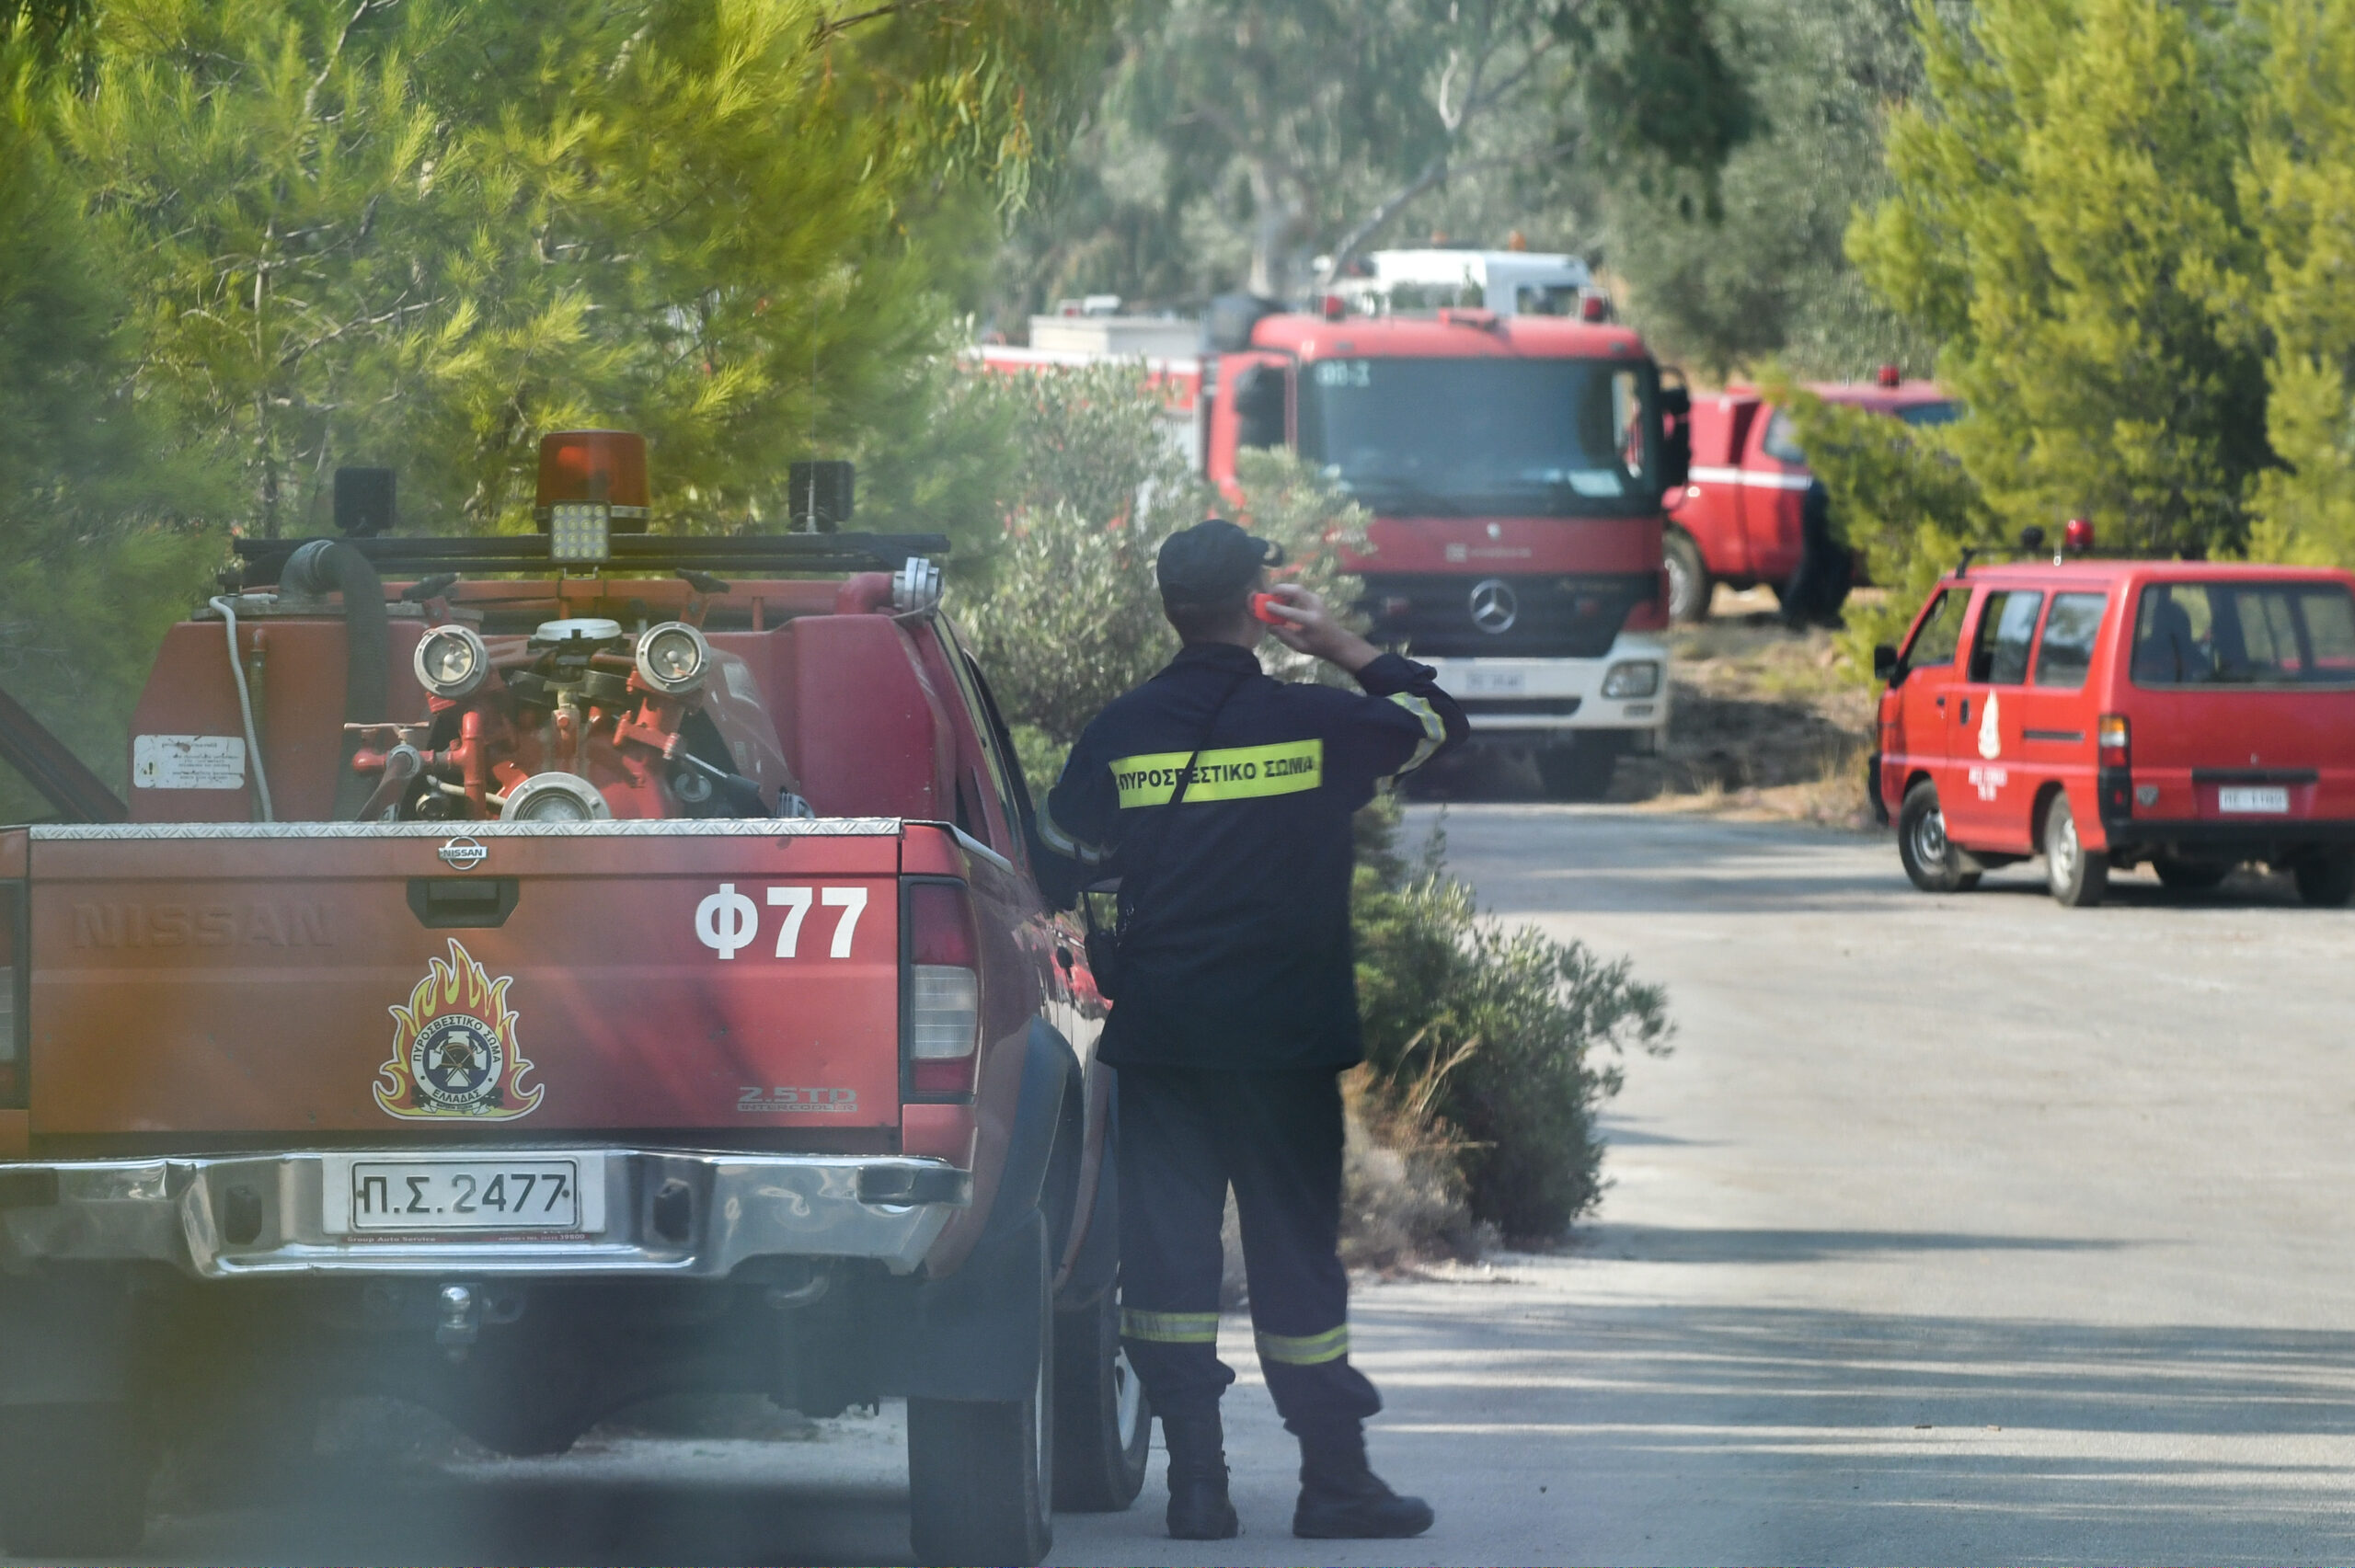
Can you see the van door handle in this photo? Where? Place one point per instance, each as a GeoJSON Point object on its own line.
{"type": "Point", "coordinates": [463, 903]}
{"type": "Point", "coordinates": [1965, 717]}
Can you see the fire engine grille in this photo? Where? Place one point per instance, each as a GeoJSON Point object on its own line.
{"type": "Point", "coordinates": [1470, 616]}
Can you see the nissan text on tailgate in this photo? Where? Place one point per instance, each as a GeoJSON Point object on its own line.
{"type": "Point", "coordinates": [566, 977]}
{"type": "Point", "coordinates": [2104, 714]}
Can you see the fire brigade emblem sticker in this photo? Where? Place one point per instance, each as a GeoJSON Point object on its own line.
{"type": "Point", "coordinates": [455, 1052]}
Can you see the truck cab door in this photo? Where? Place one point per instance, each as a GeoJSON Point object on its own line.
{"type": "Point", "coordinates": [1988, 791]}
{"type": "Point", "coordinates": [1923, 686]}
{"type": "Point", "coordinates": [1775, 478]}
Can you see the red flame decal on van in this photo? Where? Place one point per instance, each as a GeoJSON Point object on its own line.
{"type": "Point", "coordinates": [454, 1051]}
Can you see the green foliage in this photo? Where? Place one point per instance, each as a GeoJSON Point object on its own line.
{"type": "Point", "coordinates": [1238, 137]}
{"type": "Point", "coordinates": [1513, 1041]}
{"type": "Point", "coordinates": [1901, 497]}
{"type": "Point", "coordinates": [422, 233]}
{"type": "Point", "coordinates": [1070, 617]}
{"type": "Point", "coordinates": [96, 552]}
{"type": "Point", "coordinates": [2068, 219]}
{"type": "Point", "coordinates": [2298, 186]}
{"type": "Point", "coordinates": [1762, 271]}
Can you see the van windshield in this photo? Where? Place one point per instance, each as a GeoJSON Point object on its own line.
{"type": "Point", "coordinates": [1481, 438]}
{"type": "Point", "coordinates": [2242, 633]}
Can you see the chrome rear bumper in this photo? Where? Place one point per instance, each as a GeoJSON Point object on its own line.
{"type": "Point", "coordinates": [664, 1213]}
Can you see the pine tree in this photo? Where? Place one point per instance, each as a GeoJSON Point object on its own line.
{"type": "Point", "coordinates": [2298, 186]}
{"type": "Point", "coordinates": [2068, 221]}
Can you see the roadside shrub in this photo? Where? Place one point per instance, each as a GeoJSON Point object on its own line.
{"type": "Point", "coordinates": [1506, 1040]}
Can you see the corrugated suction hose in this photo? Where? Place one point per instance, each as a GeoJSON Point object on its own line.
{"type": "Point", "coordinates": [329, 565]}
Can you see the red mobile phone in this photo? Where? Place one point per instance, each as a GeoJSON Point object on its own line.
{"type": "Point", "coordinates": [1261, 612]}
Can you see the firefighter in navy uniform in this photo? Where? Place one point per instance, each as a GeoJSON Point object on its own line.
{"type": "Point", "coordinates": [1235, 1008]}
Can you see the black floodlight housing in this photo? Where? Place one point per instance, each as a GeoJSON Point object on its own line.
{"type": "Point", "coordinates": [1226, 327]}
{"type": "Point", "coordinates": [363, 502]}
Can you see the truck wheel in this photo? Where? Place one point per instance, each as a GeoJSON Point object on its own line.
{"type": "Point", "coordinates": [1689, 582]}
{"type": "Point", "coordinates": [2077, 878]}
{"type": "Point", "coordinates": [1103, 1421]}
{"type": "Point", "coordinates": [1577, 773]}
{"type": "Point", "coordinates": [981, 1473]}
{"type": "Point", "coordinates": [2189, 875]}
{"type": "Point", "coordinates": [73, 1479]}
{"type": "Point", "coordinates": [1929, 855]}
{"type": "Point", "coordinates": [2325, 880]}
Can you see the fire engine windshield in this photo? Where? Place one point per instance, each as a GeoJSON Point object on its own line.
{"type": "Point", "coordinates": [1463, 438]}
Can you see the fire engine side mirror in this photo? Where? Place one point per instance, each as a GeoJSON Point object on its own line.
{"type": "Point", "coordinates": [1884, 663]}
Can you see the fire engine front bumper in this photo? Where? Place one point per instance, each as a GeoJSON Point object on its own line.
{"type": "Point", "coordinates": [678, 1214]}
{"type": "Point", "coordinates": [1540, 699]}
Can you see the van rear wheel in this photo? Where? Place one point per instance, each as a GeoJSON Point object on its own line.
{"type": "Point", "coordinates": [1103, 1421]}
{"type": "Point", "coordinates": [1690, 585]}
{"type": "Point", "coordinates": [2327, 880]}
{"type": "Point", "coordinates": [1929, 857]}
{"type": "Point", "coordinates": [2078, 877]}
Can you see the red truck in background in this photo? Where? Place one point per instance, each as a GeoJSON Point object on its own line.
{"type": "Point", "coordinates": [564, 979]}
{"type": "Point", "coordinates": [1514, 467]}
{"type": "Point", "coordinates": [1738, 518]}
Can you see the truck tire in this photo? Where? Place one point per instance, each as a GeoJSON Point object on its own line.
{"type": "Point", "coordinates": [73, 1479]}
{"type": "Point", "coordinates": [1690, 585]}
{"type": "Point", "coordinates": [2077, 876]}
{"type": "Point", "coordinates": [981, 1472]}
{"type": "Point", "coordinates": [1103, 1421]}
{"type": "Point", "coordinates": [1929, 855]}
{"type": "Point", "coordinates": [2325, 879]}
{"type": "Point", "coordinates": [1582, 771]}
{"type": "Point", "coordinates": [2189, 875]}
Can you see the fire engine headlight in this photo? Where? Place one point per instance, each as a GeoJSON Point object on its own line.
{"type": "Point", "coordinates": [450, 661]}
{"type": "Point", "coordinates": [1636, 678]}
{"type": "Point", "coordinates": [672, 657]}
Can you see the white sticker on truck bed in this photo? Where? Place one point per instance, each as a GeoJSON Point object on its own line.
{"type": "Point", "coordinates": [188, 761]}
{"type": "Point", "coordinates": [728, 920]}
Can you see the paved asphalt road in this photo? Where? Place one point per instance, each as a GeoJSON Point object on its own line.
{"type": "Point", "coordinates": [1965, 1229]}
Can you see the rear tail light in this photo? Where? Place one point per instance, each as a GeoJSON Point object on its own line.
{"type": "Point", "coordinates": [13, 1077]}
{"type": "Point", "coordinates": [944, 1025]}
{"type": "Point", "coordinates": [2111, 735]}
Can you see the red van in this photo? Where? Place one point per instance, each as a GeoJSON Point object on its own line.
{"type": "Point", "coordinates": [2103, 714]}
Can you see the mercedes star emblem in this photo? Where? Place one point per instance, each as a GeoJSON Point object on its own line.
{"type": "Point", "coordinates": [461, 854]}
{"type": "Point", "coordinates": [1494, 608]}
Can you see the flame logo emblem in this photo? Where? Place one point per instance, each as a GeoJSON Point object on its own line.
{"type": "Point", "coordinates": [455, 1052]}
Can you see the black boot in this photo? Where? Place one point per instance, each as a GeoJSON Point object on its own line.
{"type": "Point", "coordinates": [1342, 1499]}
{"type": "Point", "coordinates": [1199, 1508]}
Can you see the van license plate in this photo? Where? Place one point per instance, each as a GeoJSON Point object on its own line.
{"type": "Point", "coordinates": [415, 1197]}
{"type": "Point", "coordinates": [2264, 800]}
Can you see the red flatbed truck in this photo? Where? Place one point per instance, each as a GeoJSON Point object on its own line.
{"type": "Point", "coordinates": [557, 981]}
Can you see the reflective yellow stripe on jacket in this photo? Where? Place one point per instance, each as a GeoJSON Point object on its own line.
{"type": "Point", "coordinates": [1434, 729]}
{"type": "Point", "coordinates": [1238, 773]}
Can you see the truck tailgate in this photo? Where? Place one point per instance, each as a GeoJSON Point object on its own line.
{"type": "Point", "coordinates": [516, 981]}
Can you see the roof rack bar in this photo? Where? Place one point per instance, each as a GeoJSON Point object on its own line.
{"type": "Point", "coordinates": [821, 554]}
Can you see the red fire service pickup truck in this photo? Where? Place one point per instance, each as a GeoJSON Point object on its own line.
{"type": "Point", "coordinates": [559, 979]}
{"type": "Point", "coordinates": [1737, 519]}
{"type": "Point", "coordinates": [2107, 713]}
{"type": "Point", "coordinates": [1514, 467]}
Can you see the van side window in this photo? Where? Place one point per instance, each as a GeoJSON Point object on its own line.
{"type": "Point", "coordinates": [1781, 441]}
{"type": "Point", "coordinates": [2007, 625]}
{"type": "Point", "coordinates": [2067, 651]}
{"type": "Point", "coordinates": [1941, 630]}
{"type": "Point", "coordinates": [2243, 634]}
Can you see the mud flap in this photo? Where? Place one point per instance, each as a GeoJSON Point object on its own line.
{"type": "Point", "coordinates": [67, 1338]}
{"type": "Point", "coordinates": [975, 1335]}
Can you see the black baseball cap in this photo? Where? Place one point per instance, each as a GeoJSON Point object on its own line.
{"type": "Point", "coordinates": [1212, 561]}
